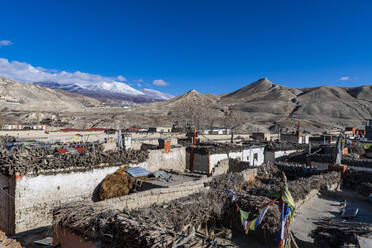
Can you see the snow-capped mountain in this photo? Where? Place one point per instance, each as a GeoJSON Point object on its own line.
{"type": "Point", "coordinates": [110, 91]}
{"type": "Point", "coordinates": [117, 87]}
{"type": "Point", "coordinates": [157, 94]}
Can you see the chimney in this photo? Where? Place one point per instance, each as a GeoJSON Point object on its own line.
{"type": "Point", "coordinates": [194, 138]}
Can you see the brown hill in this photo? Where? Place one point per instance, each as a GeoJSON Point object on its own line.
{"type": "Point", "coordinates": [261, 90]}
{"type": "Point", "coordinates": [264, 104]}
{"type": "Point", "coordinates": [20, 96]}
{"type": "Point", "coordinates": [362, 92]}
{"type": "Point", "coordinates": [337, 106]}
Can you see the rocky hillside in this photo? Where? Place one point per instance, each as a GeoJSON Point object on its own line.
{"type": "Point", "coordinates": [20, 96]}
{"type": "Point", "coordinates": [259, 106]}
{"type": "Point", "coordinates": [338, 106]}
{"type": "Point", "coordinates": [265, 105]}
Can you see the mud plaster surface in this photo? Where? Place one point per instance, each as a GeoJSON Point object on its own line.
{"type": "Point", "coordinates": [324, 206]}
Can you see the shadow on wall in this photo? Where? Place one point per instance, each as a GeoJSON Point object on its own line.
{"type": "Point", "coordinates": [95, 196]}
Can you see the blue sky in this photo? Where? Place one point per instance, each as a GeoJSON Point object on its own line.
{"type": "Point", "coordinates": [211, 46]}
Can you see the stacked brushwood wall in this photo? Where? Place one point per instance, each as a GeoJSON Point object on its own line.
{"type": "Point", "coordinates": [43, 161]}
{"type": "Point", "coordinates": [34, 180]}
{"type": "Point", "coordinates": [335, 234]}
{"type": "Point", "coordinates": [163, 225]}
{"type": "Point", "coordinates": [359, 181]}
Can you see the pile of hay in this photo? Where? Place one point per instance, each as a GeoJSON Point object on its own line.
{"type": "Point", "coordinates": [117, 184]}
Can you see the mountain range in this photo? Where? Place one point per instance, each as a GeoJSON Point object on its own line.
{"type": "Point", "coordinates": [261, 105]}
{"type": "Point", "coordinates": [113, 91]}
{"type": "Point", "coordinates": [33, 97]}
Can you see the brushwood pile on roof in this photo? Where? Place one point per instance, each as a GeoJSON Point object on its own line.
{"type": "Point", "coordinates": [161, 225]}
{"type": "Point", "coordinates": [41, 160]}
{"type": "Point", "coordinates": [285, 146]}
{"type": "Point", "coordinates": [215, 149]}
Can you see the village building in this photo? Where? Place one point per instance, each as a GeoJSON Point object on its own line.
{"type": "Point", "coordinates": [218, 131]}
{"type": "Point", "coordinates": [274, 153]}
{"type": "Point", "coordinates": [28, 194]}
{"type": "Point", "coordinates": [160, 129]}
{"type": "Point", "coordinates": [295, 138]}
{"type": "Point", "coordinates": [205, 159]}
{"type": "Point", "coordinates": [24, 127]}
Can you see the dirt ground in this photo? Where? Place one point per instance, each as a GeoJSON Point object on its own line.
{"type": "Point", "coordinates": [317, 208]}
{"type": "Point", "coordinates": [326, 206]}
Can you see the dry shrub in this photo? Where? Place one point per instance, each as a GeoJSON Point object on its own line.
{"type": "Point", "coordinates": [5, 242]}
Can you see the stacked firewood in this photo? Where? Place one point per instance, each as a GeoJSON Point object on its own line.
{"type": "Point", "coordinates": [295, 171]}
{"type": "Point", "coordinates": [277, 146]}
{"type": "Point", "coordinates": [332, 233]}
{"type": "Point", "coordinates": [189, 221]}
{"type": "Point", "coordinates": [40, 160]}
{"type": "Point", "coordinates": [192, 220]}
{"type": "Point", "coordinates": [360, 181]}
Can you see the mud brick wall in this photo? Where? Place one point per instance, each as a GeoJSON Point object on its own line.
{"type": "Point", "coordinates": [34, 196]}
{"type": "Point", "coordinates": [136, 143]}
{"type": "Point", "coordinates": [203, 162]}
{"type": "Point", "coordinates": [272, 155]}
{"type": "Point", "coordinates": [173, 160]}
{"type": "Point", "coordinates": [156, 196]}
{"type": "Point", "coordinates": [249, 155]}
{"type": "Point", "coordinates": [222, 167]}
{"type": "Point", "coordinates": [237, 165]}
{"type": "Point", "coordinates": [163, 195]}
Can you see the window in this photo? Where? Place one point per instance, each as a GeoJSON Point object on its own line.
{"type": "Point", "coordinates": [255, 156]}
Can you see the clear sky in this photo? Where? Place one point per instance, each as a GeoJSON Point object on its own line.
{"type": "Point", "coordinates": [211, 46]}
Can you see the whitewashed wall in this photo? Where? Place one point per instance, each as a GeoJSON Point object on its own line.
{"type": "Point", "coordinates": [215, 158]}
{"type": "Point", "coordinates": [270, 156]}
{"type": "Point", "coordinates": [36, 196]}
{"type": "Point", "coordinates": [248, 155]}
{"type": "Point", "coordinates": [158, 159]}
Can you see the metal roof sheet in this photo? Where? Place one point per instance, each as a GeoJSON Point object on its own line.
{"type": "Point", "coordinates": [137, 172]}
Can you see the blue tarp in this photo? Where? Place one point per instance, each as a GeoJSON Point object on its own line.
{"type": "Point", "coordinates": [138, 172]}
